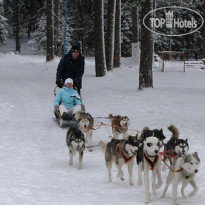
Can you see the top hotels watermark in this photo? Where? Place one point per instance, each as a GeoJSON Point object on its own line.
{"type": "Point", "coordinates": [173, 21]}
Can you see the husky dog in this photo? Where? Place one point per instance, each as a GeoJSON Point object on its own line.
{"type": "Point", "coordinates": [184, 170]}
{"type": "Point", "coordinates": [76, 143]}
{"type": "Point", "coordinates": [121, 152]}
{"type": "Point", "coordinates": [148, 158]}
{"type": "Point", "coordinates": [119, 125]}
{"type": "Point", "coordinates": [174, 146]}
{"type": "Point", "coordinates": [85, 124]}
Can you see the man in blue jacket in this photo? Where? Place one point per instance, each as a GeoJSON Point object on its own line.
{"type": "Point", "coordinates": [67, 101]}
{"type": "Point", "coordinates": [71, 66]}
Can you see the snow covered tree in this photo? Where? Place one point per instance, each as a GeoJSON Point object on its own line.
{"type": "Point", "coordinates": [191, 43]}
{"type": "Point", "coordinates": [39, 36]}
{"type": "Point", "coordinates": [99, 38]}
{"type": "Point", "coordinates": [135, 21]}
{"type": "Point", "coordinates": [3, 26]}
{"type": "Point", "coordinates": [117, 38]}
{"type": "Point", "coordinates": [109, 38]}
{"type": "Point", "coordinates": [49, 31]}
{"type": "Point", "coordinates": [203, 31]}
{"type": "Point", "coordinates": [146, 56]}
{"type": "Point", "coordinates": [126, 28]}
{"type": "Point", "coordinates": [57, 43]}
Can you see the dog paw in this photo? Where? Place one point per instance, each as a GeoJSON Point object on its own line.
{"type": "Point", "coordinates": [157, 186]}
{"type": "Point", "coordinates": [147, 202]}
{"type": "Point", "coordinates": [139, 182]}
{"type": "Point", "coordinates": [70, 163]}
{"type": "Point", "coordinates": [191, 194]}
{"type": "Point", "coordinates": [90, 150]}
{"type": "Point", "coordinates": [162, 196]}
{"type": "Point", "coordinates": [131, 184]}
{"type": "Point", "coordinates": [80, 167]}
{"type": "Point", "coordinates": [122, 178]}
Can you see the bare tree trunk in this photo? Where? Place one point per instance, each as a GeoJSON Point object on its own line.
{"type": "Point", "coordinates": [18, 34]}
{"type": "Point", "coordinates": [109, 40]}
{"type": "Point", "coordinates": [56, 27]}
{"type": "Point", "coordinates": [117, 45]}
{"type": "Point", "coordinates": [99, 38]}
{"type": "Point", "coordinates": [49, 30]}
{"type": "Point", "coordinates": [135, 21]}
{"type": "Point", "coordinates": [145, 71]}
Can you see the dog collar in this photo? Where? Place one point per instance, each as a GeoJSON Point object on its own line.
{"type": "Point", "coordinates": [151, 163]}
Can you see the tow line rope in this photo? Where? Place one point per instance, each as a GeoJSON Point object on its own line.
{"type": "Point", "coordinates": [104, 124]}
{"type": "Point", "coordinates": [170, 156]}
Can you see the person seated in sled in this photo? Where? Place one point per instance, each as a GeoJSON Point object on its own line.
{"type": "Point", "coordinates": [71, 66]}
{"type": "Point", "coordinates": [67, 101]}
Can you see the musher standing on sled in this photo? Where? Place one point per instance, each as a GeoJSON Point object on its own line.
{"type": "Point", "coordinates": [67, 102]}
{"type": "Point", "coordinates": [71, 66]}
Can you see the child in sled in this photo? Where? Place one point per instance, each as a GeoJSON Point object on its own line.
{"type": "Point", "coordinates": [67, 102]}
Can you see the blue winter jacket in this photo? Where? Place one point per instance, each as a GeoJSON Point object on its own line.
{"type": "Point", "coordinates": [68, 97]}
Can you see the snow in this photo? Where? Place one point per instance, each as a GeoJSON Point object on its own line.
{"type": "Point", "coordinates": [34, 157]}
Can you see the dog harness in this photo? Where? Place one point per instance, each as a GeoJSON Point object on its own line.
{"type": "Point", "coordinates": [123, 157]}
{"type": "Point", "coordinates": [151, 163]}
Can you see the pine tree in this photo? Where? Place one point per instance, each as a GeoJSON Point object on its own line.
{"type": "Point", "coordinates": [126, 28]}
{"type": "Point", "coordinates": [3, 26]}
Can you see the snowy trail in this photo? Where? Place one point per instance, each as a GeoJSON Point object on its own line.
{"type": "Point", "coordinates": [33, 154]}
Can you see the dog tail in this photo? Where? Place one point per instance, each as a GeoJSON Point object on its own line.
{"type": "Point", "coordinates": [102, 146]}
{"type": "Point", "coordinates": [145, 128]}
{"type": "Point", "coordinates": [174, 130]}
{"type": "Point", "coordinates": [141, 138]}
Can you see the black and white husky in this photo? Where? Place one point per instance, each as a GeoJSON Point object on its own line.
{"type": "Point", "coordinates": [148, 158]}
{"type": "Point", "coordinates": [76, 143]}
{"type": "Point", "coordinates": [85, 124]}
{"type": "Point", "coordinates": [174, 146]}
{"type": "Point", "coordinates": [121, 152]}
{"type": "Point", "coordinates": [183, 170]}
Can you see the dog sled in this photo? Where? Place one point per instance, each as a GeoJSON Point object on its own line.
{"type": "Point", "coordinates": [65, 123]}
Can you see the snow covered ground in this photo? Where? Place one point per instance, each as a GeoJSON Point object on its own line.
{"type": "Point", "coordinates": [34, 157]}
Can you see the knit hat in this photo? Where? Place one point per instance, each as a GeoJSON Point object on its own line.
{"type": "Point", "coordinates": [68, 80]}
{"type": "Point", "coordinates": [75, 48]}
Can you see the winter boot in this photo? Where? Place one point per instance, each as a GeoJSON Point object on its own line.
{"type": "Point", "coordinates": [57, 113]}
{"type": "Point", "coordinates": [66, 116]}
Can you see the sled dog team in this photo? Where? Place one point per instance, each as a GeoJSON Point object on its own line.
{"type": "Point", "coordinates": [145, 149]}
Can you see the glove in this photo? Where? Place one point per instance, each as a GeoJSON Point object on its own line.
{"type": "Point", "coordinates": [59, 84]}
{"type": "Point", "coordinates": [56, 108]}
{"type": "Point", "coordinates": [57, 111]}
